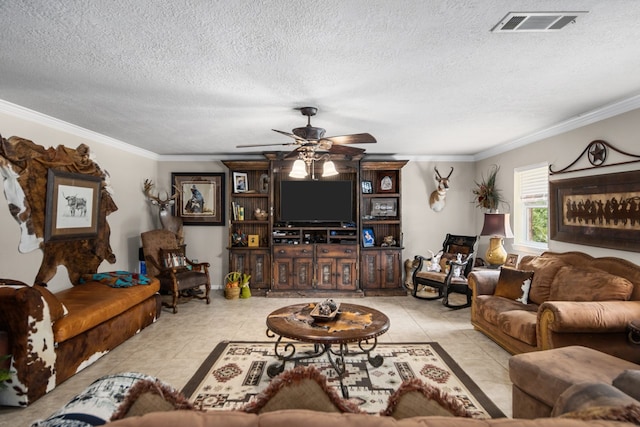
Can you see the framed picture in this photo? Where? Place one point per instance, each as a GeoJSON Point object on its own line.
{"type": "Point", "coordinates": [200, 198]}
{"type": "Point", "coordinates": [73, 204]}
{"type": "Point", "coordinates": [387, 182]}
{"type": "Point", "coordinates": [367, 187]}
{"type": "Point", "coordinates": [253, 240]}
{"type": "Point", "coordinates": [384, 207]}
{"type": "Point", "coordinates": [240, 184]}
{"type": "Point", "coordinates": [512, 260]}
{"type": "Point", "coordinates": [368, 238]}
{"type": "Point", "coordinates": [598, 210]}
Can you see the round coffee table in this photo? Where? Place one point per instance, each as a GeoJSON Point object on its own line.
{"type": "Point", "coordinates": [353, 324]}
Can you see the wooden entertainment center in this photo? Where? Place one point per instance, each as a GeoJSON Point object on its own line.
{"type": "Point", "coordinates": [317, 257]}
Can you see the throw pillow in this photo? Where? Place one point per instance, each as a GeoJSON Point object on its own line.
{"type": "Point", "coordinates": [116, 279]}
{"type": "Point", "coordinates": [545, 269]}
{"type": "Point", "coordinates": [150, 396]}
{"type": "Point", "coordinates": [629, 414]}
{"type": "Point", "coordinates": [588, 284]}
{"type": "Point", "coordinates": [629, 382]}
{"type": "Point", "coordinates": [173, 258]}
{"type": "Point", "coordinates": [514, 284]}
{"type": "Point", "coordinates": [447, 257]}
{"type": "Point", "coordinates": [415, 399]}
{"type": "Point", "coordinates": [302, 387]}
{"type": "Point", "coordinates": [95, 405]}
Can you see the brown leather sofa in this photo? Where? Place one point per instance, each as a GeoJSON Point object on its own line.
{"type": "Point", "coordinates": [53, 336]}
{"type": "Point", "coordinates": [574, 299]}
{"type": "Point", "coordinates": [307, 418]}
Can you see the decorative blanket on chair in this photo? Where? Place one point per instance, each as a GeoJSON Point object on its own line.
{"type": "Point", "coordinates": [116, 279]}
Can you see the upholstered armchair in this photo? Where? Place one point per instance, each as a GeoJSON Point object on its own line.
{"type": "Point", "coordinates": [446, 272]}
{"type": "Point", "coordinates": [167, 261]}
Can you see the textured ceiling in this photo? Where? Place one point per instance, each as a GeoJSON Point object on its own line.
{"type": "Point", "coordinates": [425, 77]}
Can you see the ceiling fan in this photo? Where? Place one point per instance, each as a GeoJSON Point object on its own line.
{"type": "Point", "coordinates": [310, 139]}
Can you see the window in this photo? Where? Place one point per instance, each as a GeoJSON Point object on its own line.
{"type": "Point", "coordinates": [531, 210]}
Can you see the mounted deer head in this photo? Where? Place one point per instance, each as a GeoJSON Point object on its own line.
{"type": "Point", "coordinates": [437, 198]}
{"type": "Point", "coordinates": [168, 221]}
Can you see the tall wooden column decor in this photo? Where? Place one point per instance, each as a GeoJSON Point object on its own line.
{"type": "Point", "coordinates": [24, 167]}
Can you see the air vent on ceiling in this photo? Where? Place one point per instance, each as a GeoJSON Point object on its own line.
{"type": "Point", "coordinates": [535, 21]}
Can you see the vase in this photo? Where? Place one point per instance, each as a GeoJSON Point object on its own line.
{"type": "Point", "coordinates": [496, 254]}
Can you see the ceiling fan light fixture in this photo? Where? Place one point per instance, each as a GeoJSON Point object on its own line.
{"type": "Point", "coordinates": [299, 169]}
{"type": "Point", "coordinates": [329, 169]}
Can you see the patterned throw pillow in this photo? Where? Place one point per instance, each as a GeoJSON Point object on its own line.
{"type": "Point", "coordinates": [173, 258]}
{"type": "Point", "coordinates": [514, 284]}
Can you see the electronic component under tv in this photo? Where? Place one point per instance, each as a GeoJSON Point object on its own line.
{"type": "Point", "coordinates": [316, 201]}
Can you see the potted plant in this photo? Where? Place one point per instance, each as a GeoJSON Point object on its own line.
{"type": "Point", "coordinates": [245, 291]}
{"type": "Point", "coordinates": [232, 285]}
{"type": "Point", "coordinates": [486, 195]}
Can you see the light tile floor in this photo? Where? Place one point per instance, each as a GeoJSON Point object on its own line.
{"type": "Point", "coordinates": [175, 346]}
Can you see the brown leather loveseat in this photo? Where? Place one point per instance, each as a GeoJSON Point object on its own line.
{"type": "Point", "coordinates": [574, 299]}
{"type": "Point", "coordinates": [53, 336]}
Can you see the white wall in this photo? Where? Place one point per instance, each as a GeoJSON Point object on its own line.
{"type": "Point", "coordinates": [620, 131]}
{"type": "Point", "coordinates": [423, 228]}
{"type": "Point", "coordinates": [127, 174]}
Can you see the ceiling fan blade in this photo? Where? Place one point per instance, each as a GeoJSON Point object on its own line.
{"type": "Point", "coordinates": [290, 135]}
{"type": "Point", "coordinates": [263, 145]}
{"type": "Point", "coordinates": [347, 151]}
{"type": "Point", "coordinates": [292, 154]}
{"type": "Point", "coordinates": [356, 138]}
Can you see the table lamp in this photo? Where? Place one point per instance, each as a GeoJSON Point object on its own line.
{"type": "Point", "coordinates": [497, 226]}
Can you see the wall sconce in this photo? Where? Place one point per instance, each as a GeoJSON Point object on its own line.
{"type": "Point", "coordinates": [497, 226]}
{"type": "Point", "coordinates": [306, 160]}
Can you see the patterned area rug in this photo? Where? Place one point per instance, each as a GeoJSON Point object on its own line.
{"type": "Point", "coordinates": [236, 371]}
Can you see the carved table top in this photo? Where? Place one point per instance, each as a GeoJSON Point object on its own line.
{"type": "Point", "coordinates": [354, 323]}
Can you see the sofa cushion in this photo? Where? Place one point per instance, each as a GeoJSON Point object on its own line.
{"type": "Point", "coordinates": [588, 284]}
{"type": "Point", "coordinates": [514, 284]}
{"type": "Point", "coordinates": [629, 382]}
{"type": "Point", "coordinates": [519, 324]}
{"type": "Point", "coordinates": [544, 270]}
{"type": "Point", "coordinates": [490, 308]}
{"type": "Point", "coordinates": [92, 303]}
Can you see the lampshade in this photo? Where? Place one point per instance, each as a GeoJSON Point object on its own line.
{"type": "Point", "coordinates": [329, 169]}
{"type": "Point", "coordinates": [299, 169]}
{"type": "Point", "coordinates": [496, 224]}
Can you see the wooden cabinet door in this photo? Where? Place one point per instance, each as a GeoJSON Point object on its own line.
{"type": "Point", "coordinates": [369, 270]}
{"type": "Point", "coordinates": [283, 273]}
{"type": "Point", "coordinates": [303, 273]}
{"type": "Point", "coordinates": [260, 261]}
{"type": "Point", "coordinates": [390, 274]}
{"type": "Point", "coordinates": [326, 273]}
{"type": "Point", "coordinates": [346, 274]}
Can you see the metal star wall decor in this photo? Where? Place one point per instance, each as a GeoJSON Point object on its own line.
{"type": "Point", "coordinates": [596, 153]}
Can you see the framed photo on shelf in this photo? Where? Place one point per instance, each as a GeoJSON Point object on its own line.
{"type": "Point", "coordinates": [368, 238]}
{"type": "Point", "coordinates": [367, 187]}
{"type": "Point", "coordinates": [199, 198]}
{"type": "Point", "coordinates": [240, 184]}
{"type": "Point", "coordinates": [384, 207]}
{"type": "Point", "coordinates": [512, 260]}
{"type": "Point", "coordinates": [73, 204]}
{"type": "Point", "coordinates": [387, 182]}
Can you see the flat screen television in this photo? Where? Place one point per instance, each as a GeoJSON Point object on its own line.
{"type": "Point", "coordinates": [316, 201]}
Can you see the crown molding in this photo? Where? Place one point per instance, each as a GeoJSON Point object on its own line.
{"type": "Point", "coordinates": [606, 111]}
{"type": "Point", "coordinates": [36, 117]}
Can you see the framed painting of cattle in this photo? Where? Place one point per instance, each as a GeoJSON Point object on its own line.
{"type": "Point", "coordinates": [72, 206]}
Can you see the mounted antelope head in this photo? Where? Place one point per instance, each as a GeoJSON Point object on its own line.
{"type": "Point", "coordinates": [168, 221]}
{"type": "Point", "coordinates": [437, 198]}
